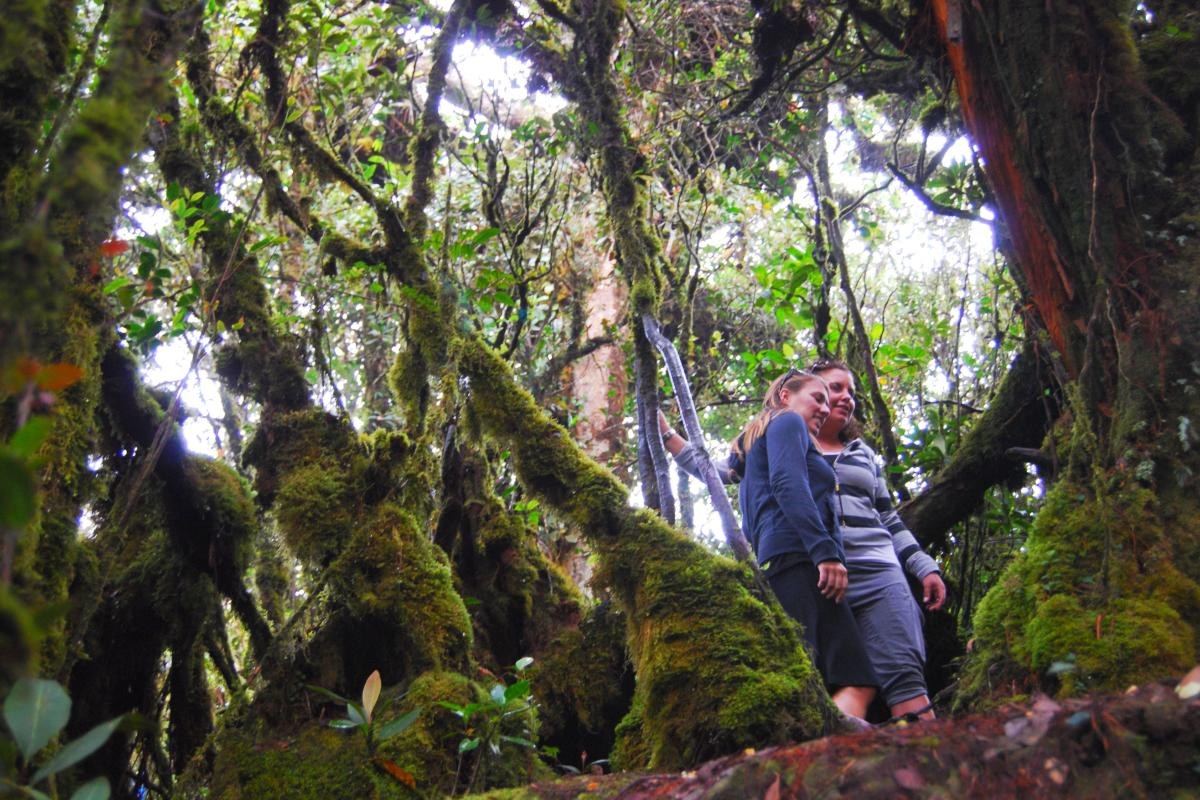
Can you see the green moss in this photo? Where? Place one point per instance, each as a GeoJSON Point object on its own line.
{"type": "Point", "coordinates": [408, 378]}
{"type": "Point", "coordinates": [429, 749]}
{"type": "Point", "coordinates": [550, 464]}
{"type": "Point", "coordinates": [44, 565]}
{"type": "Point", "coordinates": [317, 762]}
{"type": "Point", "coordinates": [401, 470]}
{"type": "Point", "coordinates": [695, 621]}
{"type": "Point", "coordinates": [632, 747]}
{"type": "Point", "coordinates": [699, 635]}
{"type": "Point", "coordinates": [390, 572]}
{"type": "Point", "coordinates": [1138, 639]}
{"type": "Point", "coordinates": [272, 579]}
{"type": "Point", "coordinates": [1097, 586]}
{"type": "Point", "coordinates": [579, 681]}
{"type": "Point", "coordinates": [316, 508]}
{"type": "Point", "coordinates": [293, 439]}
{"type": "Point", "coordinates": [230, 518]}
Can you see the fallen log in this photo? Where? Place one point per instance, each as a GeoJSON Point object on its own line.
{"type": "Point", "coordinates": [1144, 743]}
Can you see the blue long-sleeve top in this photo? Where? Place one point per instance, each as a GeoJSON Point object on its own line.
{"type": "Point", "coordinates": [785, 495]}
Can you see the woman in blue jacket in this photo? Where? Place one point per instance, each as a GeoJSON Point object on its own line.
{"type": "Point", "coordinates": [788, 515]}
{"type": "Point", "coordinates": [878, 548]}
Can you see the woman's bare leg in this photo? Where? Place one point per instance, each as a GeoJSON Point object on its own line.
{"type": "Point", "coordinates": [853, 700]}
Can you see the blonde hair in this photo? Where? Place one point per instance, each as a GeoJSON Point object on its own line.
{"type": "Point", "coordinates": [793, 380]}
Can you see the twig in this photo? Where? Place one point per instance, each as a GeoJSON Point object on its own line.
{"type": "Point", "coordinates": [691, 423]}
{"type": "Point", "coordinates": [653, 465]}
{"type": "Point", "coordinates": [929, 202]}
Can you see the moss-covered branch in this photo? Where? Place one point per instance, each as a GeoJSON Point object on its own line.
{"type": "Point", "coordinates": [591, 85]}
{"type": "Point", "coordinates": [232, 133]}
{"type": "Point", "coordinates": [690, 615]}
{"type": "Point", "coordinates": [54, 245]}
{"type": "Point", "coordinates": [35, 36]}
{"type": "Point", "coordinates": [208, 510]}
{"type": "Point", "coordinates": [429, 131]}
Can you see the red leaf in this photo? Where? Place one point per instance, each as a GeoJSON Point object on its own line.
{"type": "Point", "coordinates": [396, 771]}
{"type": "Point", "coordinates": [27, 368]}
{"type": "Point", "coordinates": [113, 247]}
{"type": "Point", "coordinates": [56, 377]}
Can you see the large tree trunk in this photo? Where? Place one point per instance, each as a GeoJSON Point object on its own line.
{"type": "Point", "coordinates": [1092, 173]}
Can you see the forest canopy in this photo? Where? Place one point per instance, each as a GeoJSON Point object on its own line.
{"type": "Point", "coordinates": [330, 361]}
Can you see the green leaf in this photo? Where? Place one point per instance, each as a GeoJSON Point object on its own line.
{"type": "Point", "coordinates": [35, 710]}
{"type": "Point", "coordinates": [97, 789]}
{"type": "Point", "coordinates": [485, 235]}
{"type": "Point", "coordinates": [334, 696]}
{"type": "Point", "coordinates": [523, 664]}
{"type": "Point", "coordinates": [1059, 667]}
{"type": "Point", "coordinates": [29, 438]}
{"type": "Point", "coordinates": [497, 694]}
{"type": "Point", "coordinates": [147, 262]}
{"type": "Point", "coordinates": [74, 752]}
{"type": "Point", "coordinates": [370, 693]}
{"type": "Point", "coordinates": [517, 740]}
{"type": "Point", "coordinates": [115, 284]}
{"type": "Point", "coordinates": [516, 691]}
{"type": "Point", "coordinates": [467, 745]}
{"type": "Point", "coordinates": [17, 494]}
{"type": "Point", "coordinates": [355, 714]}
{"type": "Point", "coordinates": [398, 725]}
{"type": "Point", "coordinates": [344, 724]}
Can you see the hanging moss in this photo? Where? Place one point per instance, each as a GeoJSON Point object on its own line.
{"type": "Point", "coordinates": [293, 439]}
{"type": "Point", "coordinates": [400, 471]}
{"type": "Point", "coordinates": [230, 519]}
{"type": "Point", "coordinates": [272, 579]}
{"type": "Point", "coordinates": [408, 380]}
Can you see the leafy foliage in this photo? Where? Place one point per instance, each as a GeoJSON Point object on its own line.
{"type": "Point", "coordinates": [36, 711]}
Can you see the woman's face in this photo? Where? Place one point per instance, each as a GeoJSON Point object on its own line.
{"type": "Point", "coordinates": [841, 398]}
{"type": "Point", "coordinates": [810, 401]}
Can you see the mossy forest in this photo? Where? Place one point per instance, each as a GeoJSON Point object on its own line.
{"type": "Point", "coordinates": [333, 336]}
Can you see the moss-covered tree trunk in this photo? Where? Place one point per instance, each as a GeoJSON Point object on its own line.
{"type": "Point", "coordinates": [1091, 152]}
